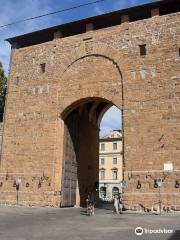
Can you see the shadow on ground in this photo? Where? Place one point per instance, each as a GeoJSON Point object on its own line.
{"type": "Point", "coordinates": [175, 236]}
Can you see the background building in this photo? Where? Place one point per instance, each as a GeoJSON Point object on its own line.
{"type": "Point", "coordinates": [110, 164]}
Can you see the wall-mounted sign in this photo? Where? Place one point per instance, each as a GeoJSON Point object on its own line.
{"type": "Point", "coordinates": [168, 166]}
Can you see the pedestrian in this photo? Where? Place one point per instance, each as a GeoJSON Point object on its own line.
{"type": "Point", "coordinates": [90, 209]}
{"type": "Point", "coordinates": [88, 205]}
{"type": "Point", "coordinates": [116, 204]}
{"type": "Point", "coordinates": [93, 201]}
{"type": "Point", "coordinates": [90, 201]}
{"type": "Point", "coordinates": [120, 204]}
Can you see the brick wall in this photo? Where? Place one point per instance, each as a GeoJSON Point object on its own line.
{"type": "Point", "coordinates": [103, 63]}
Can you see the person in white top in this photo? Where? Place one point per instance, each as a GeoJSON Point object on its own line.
{"type": "Point", "coordinates": [116, 204]}
{"type": "Point", "coordinates": [120, 204]}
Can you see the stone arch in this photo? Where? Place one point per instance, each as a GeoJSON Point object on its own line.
{"type": "Point", "coordinates": [111, 96]}
{"type": "Point", "coordinates": [94, 82]}
{"type": "Point", "coordinates": [97, 48]}
{"type": "Point", "coordinates": [96, 100]}
{"type": "Point", "coordinates": [97, 55]}
{"type": "Point", "coordinates": [101, 50]}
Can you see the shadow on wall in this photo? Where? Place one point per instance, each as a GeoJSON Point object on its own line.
{"type": "Point", "coordinates": [175, 236]}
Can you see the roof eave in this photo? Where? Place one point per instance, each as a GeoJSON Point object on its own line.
{"type": "Point", "coordinates": [19, 37]}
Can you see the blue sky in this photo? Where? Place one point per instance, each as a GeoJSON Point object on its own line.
{"type": "Point", "coordinates": [14, 10]}
{"type": "Point", "coordinates": [112, 120]}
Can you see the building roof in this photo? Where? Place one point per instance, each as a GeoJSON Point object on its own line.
{"type": "Point", "coordinates": [115, 135]}
{"type": "Point", "coordinates": [100, 21]}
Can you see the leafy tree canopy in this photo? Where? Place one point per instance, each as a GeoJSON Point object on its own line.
{"type": "Point", "coordinates": [3, 86]}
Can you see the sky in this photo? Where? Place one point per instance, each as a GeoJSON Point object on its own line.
{"type": "Point", "coordinates": [112, 120]}
{"type": "Point", "coordinates": [15, 10]}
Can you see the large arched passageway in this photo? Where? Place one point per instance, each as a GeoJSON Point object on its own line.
{"type": "Point", "coordinates": [80, 171]}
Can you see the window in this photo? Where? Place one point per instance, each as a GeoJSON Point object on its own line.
{"type": "Point", "coordinates": [142, 49]}
{"type": "Point", "coordinates": [103, 191]}
{"type": "Point", "coordinates": [17, 81]}
{"type": "Point", "coordinates": [43, 67]}
{"type": "Point", "coordinates": [102, 147]}
{"type": "Point", "coordinates": [114, 175]}
{"type": "Point", "coordinates": [114, 146]}
{"type": "Point", "coordinates": [115, 191]}
{"type": "Point", "coordinates": [114, 160]}
{"type": "Point", "coordinates": [102, 174]}
{"type": "Point", "coordinates": [102, 161]}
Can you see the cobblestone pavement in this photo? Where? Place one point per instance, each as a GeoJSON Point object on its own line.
{"type": "Point", "coordinates": [19, 223]}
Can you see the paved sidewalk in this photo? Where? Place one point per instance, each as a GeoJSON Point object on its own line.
{"type": "Point", "coordinates": [20, 223]}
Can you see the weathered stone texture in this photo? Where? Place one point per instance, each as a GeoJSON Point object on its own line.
{"type": "Point", "coordinates": [108, 66]}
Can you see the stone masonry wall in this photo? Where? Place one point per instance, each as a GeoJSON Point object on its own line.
{"type": "Point", "coordinates": [105, 63]}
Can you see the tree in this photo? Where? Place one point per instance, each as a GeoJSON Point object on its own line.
{"type": "Point", "coordinates": [3, 86]}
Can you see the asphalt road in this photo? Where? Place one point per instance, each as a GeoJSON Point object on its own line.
{"type": "Point", "coordinates": [20, 223]}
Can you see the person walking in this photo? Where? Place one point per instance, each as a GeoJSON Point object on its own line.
{"type": "Point", "coordinates": [88, 205]}
{"type": "Point", "coordinates": [116, 204]}
{"type": "Point", "coordinates": [93, 201]}
{"type": "Point", "coordinates": [90, 202]}
{"type": "Point", "coordinates": [120, 204]}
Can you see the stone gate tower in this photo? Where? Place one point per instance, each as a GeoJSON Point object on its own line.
{"type": "Point", "coordinates": [62, 79]}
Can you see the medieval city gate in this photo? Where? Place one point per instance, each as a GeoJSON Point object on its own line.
{"type": "Point", "coordinates": [61, 81]}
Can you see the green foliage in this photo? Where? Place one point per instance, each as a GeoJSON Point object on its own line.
{"type": "Point", "coordinates": [3, 86]}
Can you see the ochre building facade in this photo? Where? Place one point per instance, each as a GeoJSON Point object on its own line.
{"type": "Point", "coordinates": [61, 82]}
{"type": "Point", "coordinates": [110, 165]}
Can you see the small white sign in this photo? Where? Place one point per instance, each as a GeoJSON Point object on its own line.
{"type": "Point", "coordinates": [18, 181]}
{"type": "Point", "coordinates": [168, 166]}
